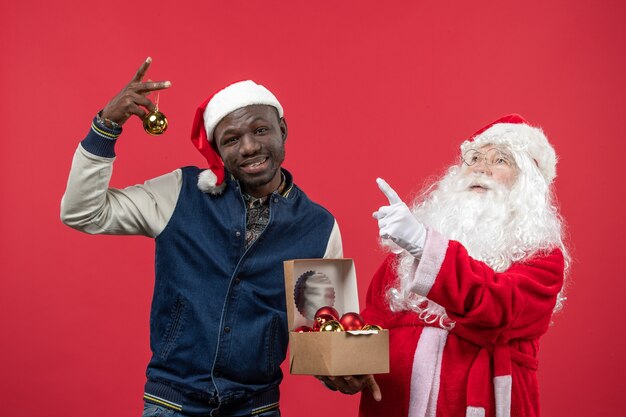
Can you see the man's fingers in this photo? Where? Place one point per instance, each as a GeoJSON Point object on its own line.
{"type": "Point", "coordinates": [142, 70]}
{"type": "Point", "coordinates": [149, 85]}
{"type": "Point", "coordinates": [135, 109]}
{"type": "Point", "coordinates": [389, 192]}
{"type": "Point", "coordinates": [374, 388]}
{"type": "Point", "coordinates": [144, 88]}
{"type": "Point", "coordinates": [142, 100]}
{"type": "Point", "coordinates": [353, 384]}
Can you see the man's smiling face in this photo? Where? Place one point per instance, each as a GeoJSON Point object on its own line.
{"type": "Point", "coordinates": [251, 142]}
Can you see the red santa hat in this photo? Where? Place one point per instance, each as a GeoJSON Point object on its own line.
{"type": "Point", "coordinates": [210, 113]}
{"type": "Point", "coordinates": [515, 132]}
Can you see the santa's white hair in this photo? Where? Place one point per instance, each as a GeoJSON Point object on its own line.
{"type": "Point", "coordinates": [499, 227]}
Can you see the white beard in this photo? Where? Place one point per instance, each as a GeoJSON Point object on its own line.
{"type": "Point", "coordinates": [499, 227]}
{"type": "Point", "coordinates": [482, 222]}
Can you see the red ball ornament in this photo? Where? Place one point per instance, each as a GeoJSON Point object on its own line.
{"type": "Point", "coordinates": [321, 319]}
{"type": "Point", "coordinates": [329, 311]}
{"type": "Point", "coordinates": [303, 329]}
{"type": "Point", "coordinates": [352, 321]}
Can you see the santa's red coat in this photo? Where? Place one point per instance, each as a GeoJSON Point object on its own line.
{"type": "Point", "coordinates": [486, 364]}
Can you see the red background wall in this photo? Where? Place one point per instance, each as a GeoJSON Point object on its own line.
{"type": "Point", "coordinates": [370, 89]}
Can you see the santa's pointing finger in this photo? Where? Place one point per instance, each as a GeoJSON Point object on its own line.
{"type": "Point", "coordinates": [389, 192]}
{"type": "Point", "coordinates": [397, 223]}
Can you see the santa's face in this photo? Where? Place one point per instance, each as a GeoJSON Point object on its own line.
{"type": "Point", "coordinates": [494, 162]}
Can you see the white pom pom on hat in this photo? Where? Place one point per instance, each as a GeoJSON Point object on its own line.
{"type": "Point", "coordinates": [210, 113]}
{"type": "Point", "coordinates": [515, 132]}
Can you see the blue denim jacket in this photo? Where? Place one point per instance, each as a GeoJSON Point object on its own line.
{"type": "Point", "coordinates": [218, 325]}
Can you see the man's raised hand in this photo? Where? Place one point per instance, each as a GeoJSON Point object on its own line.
{"type": "Point", "coordinates": [133, 98]}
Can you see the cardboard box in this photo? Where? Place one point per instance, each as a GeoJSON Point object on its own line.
{"type": "Point", "coordinates": [314, 283]}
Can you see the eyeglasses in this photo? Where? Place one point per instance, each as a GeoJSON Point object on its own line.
{"type": "Point", "coordinates": [494, 157]}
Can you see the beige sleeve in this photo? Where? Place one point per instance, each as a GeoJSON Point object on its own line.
{"type": "Point", "coordinates": [335, 247]}
{"type": "Point", "coordinates": [89, 205]}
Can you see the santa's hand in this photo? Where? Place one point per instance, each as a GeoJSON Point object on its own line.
{"type": "Point", "coordinates": [396, 222]}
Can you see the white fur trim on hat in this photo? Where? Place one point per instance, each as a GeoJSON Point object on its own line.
{"type": "Point", "coordinates": [207, 181]}
{"type": "Point", "coordinates": [236, 96]}
{"type": "Point", "coordinates": [520, 137]}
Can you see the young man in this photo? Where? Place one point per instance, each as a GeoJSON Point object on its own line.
{"type": "Point", "coordinates": [218, 325]}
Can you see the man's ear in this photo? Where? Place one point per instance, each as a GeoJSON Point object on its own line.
{"type": "Point", "coordinates": [283, 128]}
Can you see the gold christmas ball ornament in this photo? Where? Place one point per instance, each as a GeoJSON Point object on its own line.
{"type": "Point", "coordinates": [155, 123]}
{"type": "Point", "coordinates": [372, 327]}
{"type": "Point", "coordinates": [331, 326]}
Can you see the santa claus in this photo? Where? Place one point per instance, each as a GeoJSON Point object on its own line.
{"type": "Point", "coordinates": [477, 272]}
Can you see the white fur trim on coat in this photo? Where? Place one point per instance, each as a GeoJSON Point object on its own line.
{"type": "Point", "coordinates": [502, 388]}
{"type": "Point", "coordinates": [475, 412]}
{"type": "Point", "coordinates": [429, 266]}
{"type": "Point", "coordinates": [426, 372]}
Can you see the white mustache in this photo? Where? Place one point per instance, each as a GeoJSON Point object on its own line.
{"type": "Point", "coordinates": [478, 180]}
